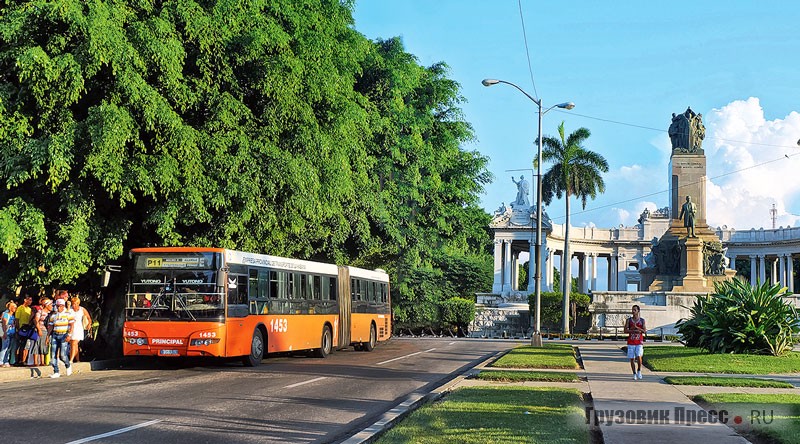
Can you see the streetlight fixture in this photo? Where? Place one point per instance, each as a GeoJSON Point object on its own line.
{"type": "Point", "coordinates": [536, 338]}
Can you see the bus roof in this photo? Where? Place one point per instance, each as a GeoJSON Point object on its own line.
{"type": "Point", "coordinates": [240, 257]}
{"type": "Point", "coordinates": [375, 275]}
{"type": "Point", "coordinates": [177, 250]}
{"type": "Point", "coordinates": [245, 258]}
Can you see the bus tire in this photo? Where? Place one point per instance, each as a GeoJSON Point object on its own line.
{"type": "Point", "coordinates": [256, 350]}
{"type": "Point", "coordinates": [326, 343]}
{"type": "Point", "coordinates": [373, 340]}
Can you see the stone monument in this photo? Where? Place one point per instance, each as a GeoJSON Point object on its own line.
{"type": "Point", "coordinates": [689, 256]}
{"type": "Point", "coordinates": [687, 259]}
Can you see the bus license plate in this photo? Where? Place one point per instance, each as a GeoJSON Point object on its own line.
{"type": "Point", "coordinates": [168, 352]}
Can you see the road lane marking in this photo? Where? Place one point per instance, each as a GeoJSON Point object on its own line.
{"type": "Point", "coordinates": [452, 343]}
{"type": "Point", "coordinates": [406, 356]}
{"type": "Point", "coordinates": [306, 382]}
{"type": "Point", "coordinates": [116, 432]}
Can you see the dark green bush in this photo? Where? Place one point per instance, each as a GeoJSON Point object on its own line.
{"type": "Point", "coordinates": [457, 312]}
{"type": "Point", "coordinates": [739, 318]}
{"type": "Point", "coordinates": [552, 309]}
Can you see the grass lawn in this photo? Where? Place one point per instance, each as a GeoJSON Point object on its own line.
{"type": "Point", "coordinates": [688, 359]}
{"type": "Point", "coordinates": [726, 382]}
{"type": "Point", "coordinates": [549, 356]}
{"type": "Point", "coordinates": [476, 415]}
{"type": "Point", "coordinates": [776, 417]}
{"type": "Point", "coordinates": [518, 376]}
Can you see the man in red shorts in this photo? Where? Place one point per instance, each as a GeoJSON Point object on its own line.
{"type": "Point", "coordinates": [636, 329]}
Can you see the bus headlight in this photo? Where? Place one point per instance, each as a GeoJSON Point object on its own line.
{"type": "Point", "coordinates": [136, 341]}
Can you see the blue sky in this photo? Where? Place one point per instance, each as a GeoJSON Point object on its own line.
{"type": "Point", "coordinates": [634, 63]}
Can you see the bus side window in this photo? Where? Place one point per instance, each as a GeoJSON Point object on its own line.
{"type": "Point", "coordinates": [242, 283]}
{"type": "Point", "coordinates": [237, 294]}
{"type": "Point", "coordinates": [334, 291]}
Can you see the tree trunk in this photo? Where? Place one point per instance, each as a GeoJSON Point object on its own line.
{"type": "Point", "coordinates": [566, 274]}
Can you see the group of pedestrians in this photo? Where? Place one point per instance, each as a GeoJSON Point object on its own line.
{"type": "Point", "coordinates": [52, 329]}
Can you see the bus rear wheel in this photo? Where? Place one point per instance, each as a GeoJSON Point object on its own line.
{"type": "Point", "coordinates": [326, 343]}
{"type": "Point", "coordinates": [256, 350]}
{"type": "Point", "coordinates": [373, 340]}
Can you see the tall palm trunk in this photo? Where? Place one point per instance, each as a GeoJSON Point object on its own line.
{"type": "Point", "coordinates": [566, 274]}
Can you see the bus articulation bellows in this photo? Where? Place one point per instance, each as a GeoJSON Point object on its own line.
{"type": "Point", "coordinates": [214, 302]}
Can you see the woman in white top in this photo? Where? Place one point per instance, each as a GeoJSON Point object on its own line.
{"type": "Point", "coordinates": [83, 323]}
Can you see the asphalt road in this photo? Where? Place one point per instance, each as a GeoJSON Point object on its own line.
{"type": "Point", "coordinates": [288, 399]}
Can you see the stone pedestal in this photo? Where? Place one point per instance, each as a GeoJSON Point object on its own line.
{"type": "Point", "coordinates": [691, 275]}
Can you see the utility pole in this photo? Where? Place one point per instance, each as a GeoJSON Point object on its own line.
{"type": "Point", "coordinates": [773, 213]}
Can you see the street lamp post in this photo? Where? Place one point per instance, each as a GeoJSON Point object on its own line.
{"type": "Point", "coordinates": [536, 338]}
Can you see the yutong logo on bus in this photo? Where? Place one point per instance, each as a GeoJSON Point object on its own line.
{"type": "Point", "coordinates": [157, 341]}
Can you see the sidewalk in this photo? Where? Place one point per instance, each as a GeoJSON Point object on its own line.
{"type": "Point", "coordinates": [647, 410]}
{"type": "Point", "coordinates": [11, 374]}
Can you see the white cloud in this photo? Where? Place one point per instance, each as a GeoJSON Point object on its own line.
{"type": "Point", "coordinates": [752, 164]}
{"type": "Point", "coordinates": [623, 215]}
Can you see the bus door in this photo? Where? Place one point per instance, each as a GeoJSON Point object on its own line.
{"type": "Point", "coordinates": [344, 307]}
{"type": "Point", "coordinates": [237, 340]}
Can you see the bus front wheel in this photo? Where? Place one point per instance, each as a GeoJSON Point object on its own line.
{"type": "Point", "coordinates": [256, 350]}
{"type": "Point", "coordinates": [326, 343]}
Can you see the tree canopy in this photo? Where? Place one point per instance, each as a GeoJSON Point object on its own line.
{"type": "Point", "coordinates": [267, 126]}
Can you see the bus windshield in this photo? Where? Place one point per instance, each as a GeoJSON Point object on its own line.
{"type": "Point", "coordinates": [175, 286]}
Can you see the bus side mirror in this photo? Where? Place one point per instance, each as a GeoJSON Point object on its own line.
{"type": "Point", "coordinates": [221, 278]}
{"type": "Point", "coordinates": [105, 278]}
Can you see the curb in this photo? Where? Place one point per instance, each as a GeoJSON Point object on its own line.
{"type": "Point", "coordinates": [13, 374]}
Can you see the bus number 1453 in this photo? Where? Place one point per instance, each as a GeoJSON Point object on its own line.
{"type": "Point", "coordinates": [279, 325]}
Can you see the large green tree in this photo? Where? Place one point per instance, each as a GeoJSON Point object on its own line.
{"type": "Point", "coordinates": [428, 185]}
{"type": "Point", "coordinates": [269, 126]}
{"type": "Point", "coordinates": [575, 171]}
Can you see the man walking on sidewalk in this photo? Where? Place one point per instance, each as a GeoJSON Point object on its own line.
{"type": "Point", "coordinates": [60, 326]}
{"type": "Point", "coordinates": [635, 328]}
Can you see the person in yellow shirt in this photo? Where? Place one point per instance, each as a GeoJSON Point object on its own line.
{"type": "Point", "coordinates": [61, 326]}
{"type": "Point", "coordinates": [23, 317]}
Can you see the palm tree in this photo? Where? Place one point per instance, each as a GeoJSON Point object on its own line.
{"type": "Point", "coordinates": [575, 172]}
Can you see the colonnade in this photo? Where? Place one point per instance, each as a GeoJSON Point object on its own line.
{"type": "Point", "coordinates": [781, 268]}
{"type": "Point", "coordinates": [622, 252]}
{"type": "Point", "coordinates": [507, 261]}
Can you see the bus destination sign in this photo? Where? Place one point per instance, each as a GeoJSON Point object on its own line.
{"type": "Point", "coordinates": [174, 262]}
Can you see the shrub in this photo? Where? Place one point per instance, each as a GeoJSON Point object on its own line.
{"type": "Point", "coordinates": [552, 306]}
{"type": "Point", "coordinates": [458, 312]}
{"type": "Point", "coordinates": [739, 318]}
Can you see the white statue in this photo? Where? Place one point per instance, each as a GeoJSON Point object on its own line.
{"type": "Point", "coordinates": [522, 192]}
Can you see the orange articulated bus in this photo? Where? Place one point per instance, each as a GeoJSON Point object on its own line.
{"type": "Point", "coordinates": [214, 302]}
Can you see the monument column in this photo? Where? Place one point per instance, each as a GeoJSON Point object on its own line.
{"type": "Point", "coordinates": [753, 270]}
{"type": "Point", "coordinates": [782, 259]}
{"type": "Point", "coordinates": [688, 165]}
{"type": "Point", "coordinates": [548, 271]}
{"type": "Point", "coordinates": [582, 264]}
{"type": "Point", "coordinates": [790, 273]}
{"type": "Point", "coordinates": [497, 286]}
{"type": "Point", "coordinates": [507, 265]}
{"type": "Point", "coordinates": [593, 282]}
{"type": "Point", "coordinates": [762, 268]}
{"type": "Point", "coordinates": [514, 272]}
{"type": "Point", "coordinates": [612, 273]}
{"type": "Point", "coordinates": [774, 271]}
